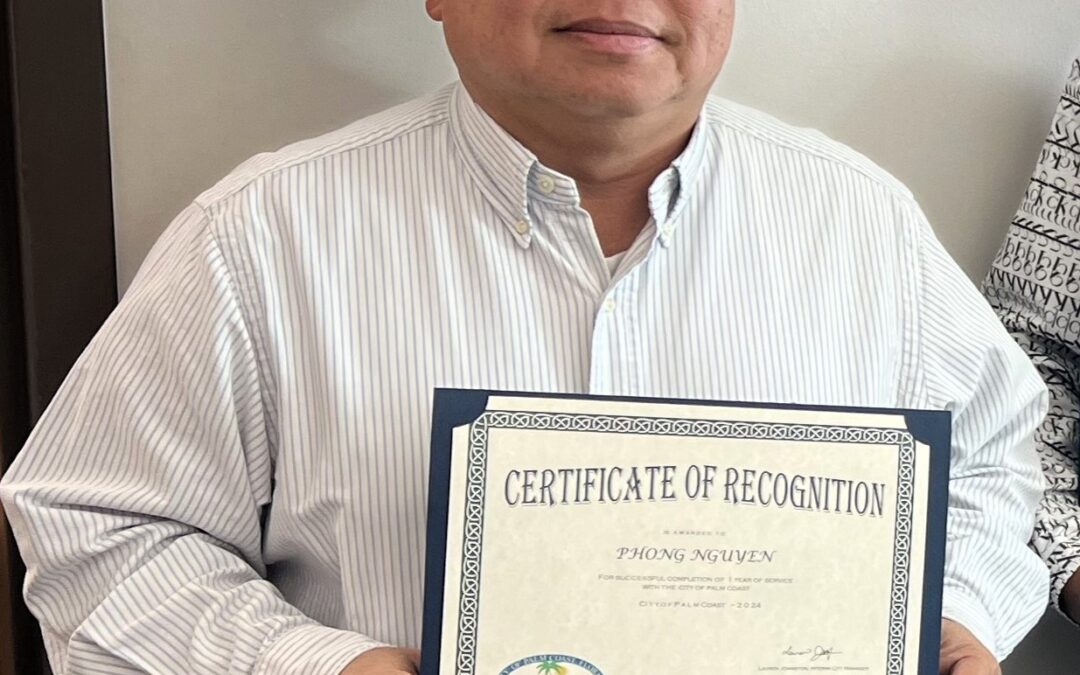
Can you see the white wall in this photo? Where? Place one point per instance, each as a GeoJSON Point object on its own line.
{"type": "Point", "coordinates": [198, 86]}
{"type": "Point", "coordinates": [953, 96]}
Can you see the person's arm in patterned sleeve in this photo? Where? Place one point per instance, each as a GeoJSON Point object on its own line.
{"type": "Point", "coordinates": [1034, 285]}
{"type": "Point", "coordinates": [1034, 325]}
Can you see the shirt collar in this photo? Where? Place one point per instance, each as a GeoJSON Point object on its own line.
{"type": "Point", "coordinates": [510, 175]}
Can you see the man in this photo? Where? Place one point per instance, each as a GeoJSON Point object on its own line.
{"type": "Point", "coordinates": [232, 479]}
{"type": "Point", "coordinates": [1034, 285]}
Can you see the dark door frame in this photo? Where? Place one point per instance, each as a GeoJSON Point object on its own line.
{"type": "Point", "coordinates": [57, 250]}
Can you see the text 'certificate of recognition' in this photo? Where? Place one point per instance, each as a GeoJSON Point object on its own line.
{"type": "Point", "coordinates": [575, 535]}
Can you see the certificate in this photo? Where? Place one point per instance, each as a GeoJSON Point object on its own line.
{"type": "Point", "coordinates": [584, 535]}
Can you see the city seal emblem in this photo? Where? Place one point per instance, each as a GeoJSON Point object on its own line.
{"type": "Point", "coordinates": [551, 664]}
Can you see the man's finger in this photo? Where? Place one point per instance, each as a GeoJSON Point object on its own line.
{"type": "Point", "coordinates": [972, 666]}
{"type": "Point", "coordinates": [966, 667]}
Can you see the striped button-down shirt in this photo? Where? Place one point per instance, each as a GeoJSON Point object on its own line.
{"type": "Point", "coordinates": [233, 477]}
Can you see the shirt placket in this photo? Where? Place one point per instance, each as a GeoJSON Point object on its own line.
{"type": "Point", "coordinates": [615, 354]}
{"type": "Point", "coordinates": [618, 367]}
{"type": "Point", "coordinates": [614, 367]}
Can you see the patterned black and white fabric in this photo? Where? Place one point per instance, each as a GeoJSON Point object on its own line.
{"type": "Point", "coordinates": [1034, 285]}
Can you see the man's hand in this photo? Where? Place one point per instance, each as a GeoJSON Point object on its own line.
{"type": "Point", "coordinates": [1070, 598]}
{"type": "Point", "coordinates": [385, 661]}
{"type": "Point", "coordinates": [962, 654]}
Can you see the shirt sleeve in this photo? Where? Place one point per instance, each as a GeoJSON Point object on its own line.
{"type": "Point", "coordinates": [137, 502]}
{"type": "Point", "coordinates": [994, 585]}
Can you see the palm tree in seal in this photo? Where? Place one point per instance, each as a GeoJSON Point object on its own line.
{"type": "Point", "coordinates": [550, 667]}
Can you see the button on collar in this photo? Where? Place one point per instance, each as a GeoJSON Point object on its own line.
{"type": "Point", "coordinates": [551, 186]}
{"type": "Point", "coordinates": [665, 234]}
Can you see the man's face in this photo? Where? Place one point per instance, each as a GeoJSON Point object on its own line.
{"type": "Point", "coordinates": [595, 58]}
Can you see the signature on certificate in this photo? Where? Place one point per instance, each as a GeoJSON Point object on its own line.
{"type": "Point", "coordinates": [814, 653]}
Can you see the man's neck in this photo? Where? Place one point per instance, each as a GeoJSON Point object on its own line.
{"type": "Point", "coordinates": [613, 161]}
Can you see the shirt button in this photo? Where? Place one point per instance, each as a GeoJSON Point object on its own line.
{"type": "Point", "coordinates": [546, 184]}
{"type": "Point", "coordinates": [522, 226]}
{"type": "Point", "coordinates": [609, 305]}
{"type": "Point", "coordinates": [665, 234]}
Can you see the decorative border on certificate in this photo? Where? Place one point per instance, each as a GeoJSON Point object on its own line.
{"type": "Point", "coordinates": [476, 480]}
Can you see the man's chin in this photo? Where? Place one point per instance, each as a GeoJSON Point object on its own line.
{"type": "Point", "coordinates": [611, 102]}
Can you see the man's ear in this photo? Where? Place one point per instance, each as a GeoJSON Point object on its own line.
{"type": "Point", "coordinates": [435, 9]}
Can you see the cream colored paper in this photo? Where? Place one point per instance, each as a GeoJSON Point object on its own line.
{"type": "Point", "coordinates": [814, 590]}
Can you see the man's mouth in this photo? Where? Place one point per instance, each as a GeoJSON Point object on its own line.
{"type": "Point", "coordinates": [605, 27]}
{"type": "Point", "coordinates": [612, 36]}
